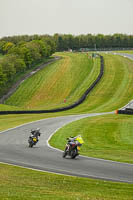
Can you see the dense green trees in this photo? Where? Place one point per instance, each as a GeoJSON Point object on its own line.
{"type": "Point", "coordinates": [2, 76]}
{"type": "Point", "coordinates": [21, 53]}
{"type": "Point", "coordinates": [92, 42]}
{"type": "Point", "coordinates": [61, 42]}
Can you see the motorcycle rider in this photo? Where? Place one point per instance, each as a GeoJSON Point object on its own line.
{"type": "Point", "coordinates": [78, 140]}
{"type": "Point", "coordinates": [35, 133]}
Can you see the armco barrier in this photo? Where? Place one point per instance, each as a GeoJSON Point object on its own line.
{"type": "Point", "coordinates": [128, 111]}
{"type": "Point", "coordinates": [78, 102]}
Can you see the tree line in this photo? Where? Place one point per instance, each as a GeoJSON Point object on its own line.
{"type": "Point", "coordinates": [61, 42]}
{"type": "Point", "coordinates": [93, 42]}
{"type": "Point", "coordinates": [20, 53]}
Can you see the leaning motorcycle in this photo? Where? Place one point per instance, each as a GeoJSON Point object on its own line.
{"type": "Point", "coordinates": [32, 141]}
{"type": "Point", "coordinates": [73, 147]}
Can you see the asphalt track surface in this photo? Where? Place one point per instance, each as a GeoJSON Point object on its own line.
{"type": "Point", "coordinates": [126, 55]}
{"type": "Point", "coordinates": [14, 150]}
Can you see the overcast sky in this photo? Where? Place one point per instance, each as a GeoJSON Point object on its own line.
{"type": "Point", "coordinates": [19, 17]}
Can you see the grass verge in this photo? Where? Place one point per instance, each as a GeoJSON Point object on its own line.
{"type": "Point", "coordinates": [108, 137]}
{"type": "Point", "coordinates": [19, 183]}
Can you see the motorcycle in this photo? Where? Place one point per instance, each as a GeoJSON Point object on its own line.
{"type": "Point", "coordinates": [32, 141]}
{"type": "Point", "coordinates": [73, 147]}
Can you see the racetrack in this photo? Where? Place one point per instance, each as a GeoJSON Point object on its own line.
{"type": "Point", "coordinates": [14, 150]}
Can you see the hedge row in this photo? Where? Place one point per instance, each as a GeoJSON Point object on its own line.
{"type": "Point", "coordinates": [78, 102]}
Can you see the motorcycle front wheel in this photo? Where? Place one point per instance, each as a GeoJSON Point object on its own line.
{"type": "Point", "coordinates": [64, 154]}
{"type": "Point", "coordinates": [30, 145]}
{"type": "Point", "coordinates": [74, 154]}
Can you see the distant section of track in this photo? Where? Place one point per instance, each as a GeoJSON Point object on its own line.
{"type": "Point", "coordinates": [130, 56]}
{"type": "Point", "coordinates": [14, 150]}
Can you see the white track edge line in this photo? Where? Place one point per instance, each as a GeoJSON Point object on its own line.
{"type": "Point", "coordinates": [65, 171]}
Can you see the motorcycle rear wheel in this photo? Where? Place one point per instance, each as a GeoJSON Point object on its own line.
{"type": "Point", "coordinates": [74, 154]}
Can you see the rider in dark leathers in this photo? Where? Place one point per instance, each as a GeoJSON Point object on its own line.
{"type": "Point", "coordinates": [35, 133]}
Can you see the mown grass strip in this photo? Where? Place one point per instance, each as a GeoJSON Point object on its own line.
{"type": "Point", "coordinates": [19, 183]}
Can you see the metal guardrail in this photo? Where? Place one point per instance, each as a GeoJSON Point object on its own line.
{"type": "Point", "coordinates": [127, 109]}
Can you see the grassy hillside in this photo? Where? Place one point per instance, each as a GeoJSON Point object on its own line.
{"type": "Point", "coordinates": [115, 88]}
{"type": "Point", "coordinates": [61, 80]}
{"type": "Point", "coordinates": [70, 77]}
{"type": "Point", "coordinates": [19, 76]}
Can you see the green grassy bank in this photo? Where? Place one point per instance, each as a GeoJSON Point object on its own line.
{"type": "Point", "coordinates": [20, 75]}
{"type": "Point", "coordinates": [66, 79]}
{"type": "Point", "coordinates": [24, 184]}
{"type": "Point", "coordinates": [115, 88]}
{"type": "Point", "coordinates": [69, 78]}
